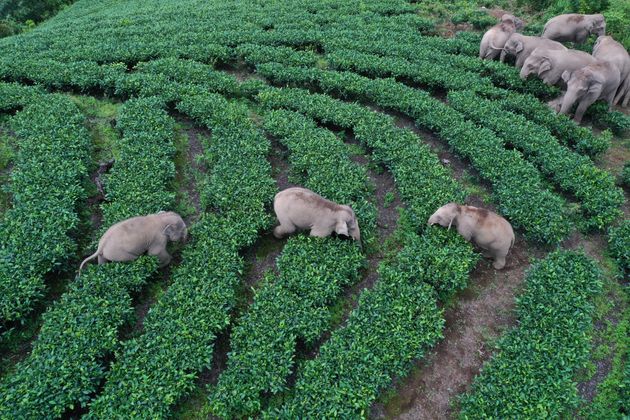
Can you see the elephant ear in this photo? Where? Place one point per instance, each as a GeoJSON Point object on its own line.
{"type": "Point", "coordinates": [169, 230]}
{"type": "Point", "coordinates": [566, 76]}
{"type": "Point", "coordinates": [545, 65]}
{"type": "Point", "coordinates": [341, 228]}
{"type": "Point", "coordinates": [519, 46]}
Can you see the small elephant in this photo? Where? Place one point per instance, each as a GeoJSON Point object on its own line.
{"type": "Point", "coordinates": [574, 27]}
{"type": "Point", "coordinates": [489, 231]}
{"type": "Point", "coordinates": [606, 48]}
{"type": "Point", "coordinates": [521, 46]}
{"type": "Point", "coordinates": [550, 64]}
{"type": "Point", "coordinates": [300, 208]}
{"type": "Point", "coordinates": [128, 239]}
{"type": "Point", "coordinates": [588, 84]}
{"type": "Point", "coordinates": [495, 37]}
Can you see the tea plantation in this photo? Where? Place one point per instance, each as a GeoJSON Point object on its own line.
{"type": "Point", "coordinates": [112, 109]}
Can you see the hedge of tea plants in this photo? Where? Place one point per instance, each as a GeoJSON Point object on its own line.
{"type": "Point", "coordinates": [180, 329]}
{"type": "Point", "coordinates": [15, 95]}
{"type": "Point", "coordinates": [532, 373]}
{"type": "Point", "coordinates": [518, 186]}
{"type": "Point", "coordinates": [619, 245]}
{"type": "Point", "coordinates": [292, 306]}
{"type": "Point", "coordinates": [600, 199]}
{"type": "Point", "coordinates": [46, 187]}
{"type": "Point", "coordinates": [68, 358]}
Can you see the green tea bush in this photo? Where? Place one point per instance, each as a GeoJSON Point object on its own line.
{"type": "Point", "coordinates": [619, 245]}
{"type": "Point", "coordinates": [595, 188]}
{"type": "Point", "coordinates": [517, 184]}
{"type": "Point", "coordinates": [531, 375]}
{"type": "Point", "coordinates": [624, 177]}
{"type": "Point", "coordinates": [312, 272]}
{"type": "Point", "coordinates": [46, 186]}
{"type": "Point", "coordinates": [180, 329]}
{"type": "Point", "coordinates": [14, 95]}
{"type": "Point", "coordinates": [67, 362]}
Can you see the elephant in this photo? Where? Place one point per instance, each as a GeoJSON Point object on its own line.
{"type": "Point", "coordinates": [588, 84]}
{"type": "Point", "coordinates": [128, 239]}
{"type": "Point", "coordinates": [300, 208]}
{"type": "Point", "coordinates": [521, 46]}
{"type": "Point", "coordinates": [574, 27]}
{"type": "Point", "coordinates": [549, 64]}
{"type": "Point", "coordinates": [494, 39]}
{"type": "Point", "coordinates": [606, 48]}
{"type": "Point", "coordinates": [489, 231]}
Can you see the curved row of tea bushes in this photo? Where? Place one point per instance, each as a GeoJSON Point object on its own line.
{"type": "Point", "coordinates": [531, 376]}
{"type": "Point", "coordinates": [67, 363]}
{"type": "Point", "coordinates": [153, 371]}
{"type": "Point", "coordinates": [619, 245]}
{"type": "Point", "coordinates": [595, 188]}
{"type": "Point", "coordinates": [46, 188]}
{"type": "Point", "coordinates": [518, 186]}
{"type": "Point", "coordinates": [15, 95]}
{"type": "Point", "coordinates": [293, 306]}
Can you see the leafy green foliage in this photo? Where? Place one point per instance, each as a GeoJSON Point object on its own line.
{"type": "Point", "coordinates": [625, 175]}
{"type": "Point", "coordinates": [600, 198]}
{"type": "Point", "coordinates": [14, 95]}
{"type": "Point", "coordinates": [179, 331]}
{"type": "Point", "coordinates": [532, 373]}
{"type": "Point", "coordinates": [517, 184]}
{"type": "Point", "coordinates": [312, 273]}
{"type": "Point", "coordinates": [66, 364]}
{"type": "Point", "coordinates": [619, 245]}
{"type": "Point", "coordinates": [50, 165]}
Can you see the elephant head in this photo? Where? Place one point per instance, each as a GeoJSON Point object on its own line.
{"type": "Point", "coordinates": [507, 18]}
{"type": "Point", "coordinates": [174, 227]}
{"type": "Point", "coordinates": [597, 25]}
{"type": "Point", "coordinates": [347, 223]}
{"type": "Point", "coordinates": [583, 85]}
{"type": "Point", "coordinates": [537, 63]}
{"type": "Point", "coordinates": [445, 215]}
{"type": "Point", "coordinates": [514, 44]}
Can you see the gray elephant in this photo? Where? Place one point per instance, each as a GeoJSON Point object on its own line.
{"type": "Point", "coordinates": [521, 46]}
{"type": "Point", "coordinates": [574, 27]}
{"type": "Point", "coordinates": [494, 39]}
{"type": "Point", "coordinates": [489, 231]}
{"type": "Point", "coordinates": [606, 48]}
{"type": "Point", "coordinates": [588, 84]}
{"type": "Point", "coordinates": [128, 239]}
{"type": "Point", "coordinates": [550, 64]}
{"type": "Point", "coordinates": [300, 208]}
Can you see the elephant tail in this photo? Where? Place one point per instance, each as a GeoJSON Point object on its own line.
{"type": "Point", "coordinates": [91, 257]}
{"type": "Point", "coordinates": [495, 47]}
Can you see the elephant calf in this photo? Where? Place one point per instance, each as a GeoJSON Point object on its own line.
{"type": "Point", "coordinates": [521, 46]}
{"type": "Point", "coordinates": [550, 64]}
{"type": "Point", "coordinates": [128, 239]}
{"type": "Point", "coordinates": [494, 39]}
{"type": "Point", "coordinates": [486, 229]}
{"type": "Point", "coordinates": [300, 208]}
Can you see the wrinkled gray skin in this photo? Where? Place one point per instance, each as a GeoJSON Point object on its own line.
{"type": "Point", "coordinates": [588, 84]}
{"type": "Point", "coordinates": [494, 39]}
{"type": "Point", "coordinates": [128, 239]}
{"type": "Point", "coordinates": [521, 46]}
{"type": "Point", "coordinates": [606, 48]}
{"type": "Point", "coordinates": [574, 27]}
{"type": "Point", "coordinates": [302, 209]}
{"type": "Point", "coordinates": [489, 231]}
{"type": "Point", "coordinates": [550, 64]}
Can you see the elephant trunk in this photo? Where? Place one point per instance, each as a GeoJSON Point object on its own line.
{"type": "Point", "coordinates": [524, 72]}
{"type": "Point", "coordinates": [567, 102]}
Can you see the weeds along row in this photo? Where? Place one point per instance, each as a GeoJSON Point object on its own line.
{"type": "Point", "coordinates": [531, 375]}
{"type": "Point", "coordinates": [292, 306]}
{"type": "Point", "coordinates": [67, 361]}
{"type": "Point", "coordinates": [46, 185]}
{"type": "Point", "coordinates": [180, 329]}
{"type": "Point", "coordinates": [518, 186]}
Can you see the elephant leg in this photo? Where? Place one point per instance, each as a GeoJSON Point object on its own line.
{"type": "Point", "coordinates": [102, 260]}
{"type": "Point", "coordinates": [320, 232]}
{"type": "Point", "coordinates": [499, 262]}
{"type": "Point", "coordinates": [520, 60]}
{"type": "Point", "coordinates": [581, 109]}
{"type": "Point", "coordinates": [282, 230]}
{"type": "Point", "coordinates": [162, 255]}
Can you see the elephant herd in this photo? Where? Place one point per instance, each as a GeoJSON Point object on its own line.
{"type": "Point", "coordinates": [585, 78]}
{"type": "Point", "coordinates": [298, 209]}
